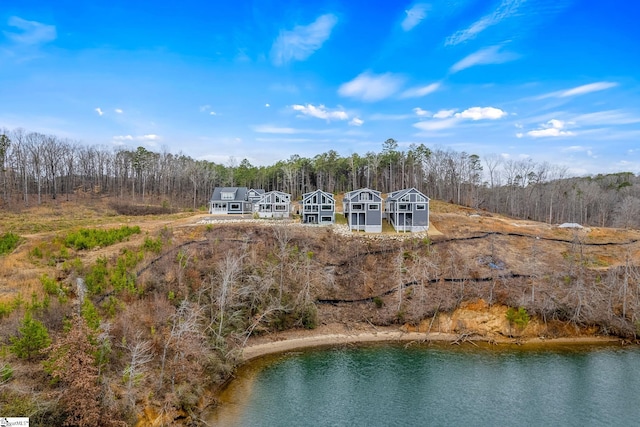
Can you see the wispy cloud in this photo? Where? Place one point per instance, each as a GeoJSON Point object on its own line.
{"type": "Point", "coordinates": [607, 117]}
{"type": "Point", "coordinates": [301, 42]}
{"type": "Point", "coordinates": [419, 91]}
{"type": "Point", "coordinates": [356, 122]}
{"type": "Point", "coordinates": [415, 15]}
{"type": "Point", "coordinates": [321, 112]}
{"type": "Point", "coordinates": [506, 9]}
{"type": "Point", "coordinates": [118, 110]}
{"type": "Point", "coordinates": [148, 139]}
{"type": "Point", "coordinates": [99, 111]}
{"type": "Point", "coordinates": [580, 90]}
{"type": "Point", "coordinates": [421, 113]}
{"type": "Point", "coordinates": [553, 128]}
{"type": "Point", "coordinates": [30, 32]}
{"type": "Point", "coordinates": [445, 119]}
{"type": "Point", "coordinates": [444, 114]}
{"type": "Point", "coordinates": [371, 87]}
{"type": "Point", "coordinates": [489, 55]}
{"type": "Point", "coordinates": [274, 129]}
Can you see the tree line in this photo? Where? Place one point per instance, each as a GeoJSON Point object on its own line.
{"type": "Point", "coordinates": [36, 166]}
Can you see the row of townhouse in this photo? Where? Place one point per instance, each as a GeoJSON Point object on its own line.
{"type": "Point", "coordinates": [406, 210]}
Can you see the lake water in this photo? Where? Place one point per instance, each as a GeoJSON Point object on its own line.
{"type": "Point", "coordinates": [438, 386]}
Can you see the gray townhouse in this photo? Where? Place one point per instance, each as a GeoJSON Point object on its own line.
{"type": "Point", "coordinates": [230, 200]}
{"type": "Point", "coordinates": [407, 210]}
{"type": "Point", "coordinates": [274, 204]}
{"type": "Point", "coordinates": [363, 210]}
{"type": "Point", "coordinates": [318, 207]}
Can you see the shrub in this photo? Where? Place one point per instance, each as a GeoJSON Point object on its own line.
{"type": "Point", "coordinates": [378, 302]}
{"type": "Point", "coordinates": [519, 318]}
{"type": "Point", "coordinates": [33, 337]}
{"type": "Point", "coordinates": [8, 242]}
{"type": "Point", "coordinates": [87, 238]}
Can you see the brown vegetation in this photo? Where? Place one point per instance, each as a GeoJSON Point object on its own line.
{"type": "Point", "coordinates": [165, 314]}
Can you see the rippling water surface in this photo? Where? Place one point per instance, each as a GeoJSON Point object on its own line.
{"type": "Point", "coordinates": [394, 386]}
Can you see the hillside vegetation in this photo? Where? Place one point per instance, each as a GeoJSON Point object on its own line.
{"type": "Point", "coordinates": [105, 317]}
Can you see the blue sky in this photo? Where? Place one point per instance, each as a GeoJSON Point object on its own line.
{"type": "Point", "coordinates": [550, 80]}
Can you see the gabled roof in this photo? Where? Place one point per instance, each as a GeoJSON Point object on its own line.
{"type": "Point", "coordinates": [351, 196]}
{"type": "Point", "coordinates": [396, 195]}
{"type": "Point", "coordinates": [239, 193]}
{"type": "Point", "coordinates": [258, 191]}
{"type": "Point", "coordinates": [268, 197]}
{"type": "Point", "coordinates": [307, 196]}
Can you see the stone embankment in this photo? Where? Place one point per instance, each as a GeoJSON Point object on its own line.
{"type": "Point", "coordinates": [339, 229]}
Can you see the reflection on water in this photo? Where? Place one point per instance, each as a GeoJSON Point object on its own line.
{"type": "Point", "coordinates": [437, 385]}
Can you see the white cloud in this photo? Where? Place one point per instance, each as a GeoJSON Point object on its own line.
{"type": "Point", "coordinates": [99, 111]}
{"type": "Point", "coordinates": [607, 117]}
{"type": "Point", "coordinates": [519, 135]}
{"type": "Point", "coordinates": [205, 108]}
{"type": "Point", "coordinates": [274, 129]}
{"type": "Point", "coordinates": [118, 110]}
{"type": "Point", "coordinates": [301, 42]}
{"type": "Point", "coordinates": [212, 113]}
{"type": "Point", "coordinates": [432, 125]}
{"type": "Point", "coordinates": [418, 91]}
{"type": "Point", "coordinates": [445, 119]}
{"type": "Point", "coordinates": [421, 113]}
{"type": "Point", "coordinates": [482, 113]}
{"type": "Point", "coordinates": [506, 9]}
{"type": "Point", "coordinates": [584, 89]}
{"type": "Point", "coordinates": [580, 90]}
{"type": "Point", "coordinates": [356, 122]}
{"type": "Point", "coordinates": [553, 128]}
{"type": "Point", "coordinates": [321, 112]}
{"type": "Point", "coordinates": [371, 87]}
{"type": "Point", "coordinates": [489, 55]}
{"type": "Point", "coordinates": [267, 105]}
{"type": "Point", "coordinates": [32, 32]}
{"type": "Point", "coordinates": [414, 16]}
{"type": "Point", "coordinates": [148, 137]}
{"type": "Point", "coordinates": [444, 114]}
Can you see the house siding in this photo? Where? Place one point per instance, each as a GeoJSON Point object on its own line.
{"type": "Point", "coordinates": [314, 206]}
{"type": "Point", "coordinates": [401, 210]}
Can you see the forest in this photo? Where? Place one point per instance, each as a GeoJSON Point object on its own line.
{"type": "Point", "coordinates": [36, 167]}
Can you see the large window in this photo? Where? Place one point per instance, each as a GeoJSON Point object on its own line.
{"type": "Point", "coordinates": [281, 208]}
{"type": "Point", "coordinates": [234, 206]}
{"type": "Point", "coordinates": [365, 196]}
{"type": "Point", "coordinates": [374, 207]}
{"type": "Point", "coordinates": [403, 207]}
{"type": "Point", "coordinates": [225, 195]}
{"type": "Point", "coordinates": [420, 198]}
{"type": "Point", "coordinates": [357, 207]}
{"type": "Point", "coordinates": [327, 207]}
{"type": "Point", "coordinates": [326, 219]}
{"type": "Point", "coordinates": [421, 207]}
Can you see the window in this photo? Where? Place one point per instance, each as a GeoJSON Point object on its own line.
{"type": "Point", "coordinates": [234, 206]}
{"type": "Point", "coordinates": [403, 207]}
{"type": "Point", "coordinates": [421, 207]}
{"type": "Point", "coordinates": [365, 196]}
{"type": "Point", "coordinates": [281, 208]}
{"type": "Point", "coordinates": [326, 219]}
{"type": "Point", "coordinates": [405, 198]}
{"type": "Point", "coordinates": [327, 207]}
{"type": "Point", "coordinates": [357, 207]}
{"type": "Point", "coordinates": [374, 207]}
{"type": "Point", "coordinates": [420, 198]}
{"type": "Point", "coordinates": [225, 195]}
